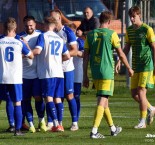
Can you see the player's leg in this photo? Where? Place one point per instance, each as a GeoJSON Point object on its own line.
{"type": "Point", "coordinates": [77, 93]}
{"type": "Point", "coordinates": [48, 89]}
{"type": "Point", "coordinates": [59, 95]}
{"type": "Point", "coordinates": [39, 104]}
{"type": "Point", "coordinates": [10, 114]}
{"type": "Point", "coordinates": [26, 103]}
{"type": "Point", "coordinates": [143, 83]}
{"type": "Point", "coordinates": [15, 91]}
{"type": "Point", "coordinates": [69, 90]}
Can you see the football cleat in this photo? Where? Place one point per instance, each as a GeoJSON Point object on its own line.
{"type": "Point", "coordinates": [150, 115]}
{"type": "Point", "coordinates": [10, 129]}
{"type": "Point", "coordinates": [43, 127]}
{"type": "Point", "coordinates": [118, 130]}
{"type": "Point", "coordinates": [56, 128]}
{"type": "Point", "coordinates": [97, 135]}
{"type": "Point", "coordinates": [74, 128]}
{"type": "Point", "coordinates": [140, 126]}
{"type": "Point", "coordinates": [32, 129]}
{"type": "Point", "coordinates": [24, 127]}
{"type": "Point", "coordinates": [18, 133]}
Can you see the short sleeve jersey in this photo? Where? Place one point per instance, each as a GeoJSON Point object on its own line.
{"type": "Point", "coordinates": [100, 43]}
{"type": "Point", "coordinates": [49, 61]}
{"type": "Point", "coordinates": [78, 63]}
{"type": "Point", "coordinates": [69, 38]}
{"type": "Point", "coordinates": [140, 40]}
{"type": "Point", "coordinates": [11, 51]}
{"type": "Point", "coordinates": [30, 65]}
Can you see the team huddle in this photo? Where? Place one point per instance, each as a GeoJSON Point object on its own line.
{"type": "Point", "coordinates": [49, 67]}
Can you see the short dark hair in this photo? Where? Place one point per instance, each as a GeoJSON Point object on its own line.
{"type": "Point", "coordinates": [105, 16]}
{"type": "Point", "coordinates": [28, 18]}
{"type": "Point", "coordinates": [133, 10]}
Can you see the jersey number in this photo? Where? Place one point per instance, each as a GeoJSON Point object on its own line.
{"type": "Point", "coordinates": [9, 56]}
{"type": "Point", "coordinates": [55, 45]}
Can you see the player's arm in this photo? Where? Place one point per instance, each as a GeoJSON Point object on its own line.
{"type": "Point", "coordinates": [153, 50]}
{"type": "Point", "coordinates": [65, 53]}
{"type": "Point", "coordinates": [123, 58]}
{"type": "Point", "coordinates": [39, 45]}
{"type": "Point", "coordinates": [73, 50]}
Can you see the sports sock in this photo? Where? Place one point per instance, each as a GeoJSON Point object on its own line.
{"type": "Point", "coordinates": [10, 112]}
{"type": "Point", "coordinates": [29, 111]}
{"type": "Point", "coordinates": [150, 107]}
{"type": "Point", "coordinates": [60, 110]}
{"type": "Point", "coordinates": [113, 128]}
{"type": "Point", "coordinates": [73, 109]}
{"type": "Point", "coordinates": [98, 116]}
{"type": "Point", "coordinates": [94, 130]}
{"type": "Point", "coordinates": [40, 108]}
{"type": "Point", "coordinates": [108, 116]}
{"type": "Point", "coordinates": [52, 112]}
{"type": "Point", "coordinates": [77, 98]}
{"type": "Point", "coordinates": [143, 114]}
{"type": "Point", "coordinates": [18, 117]}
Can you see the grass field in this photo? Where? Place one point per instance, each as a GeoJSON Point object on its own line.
{"type": "Point", "coordinates": [124, 111]}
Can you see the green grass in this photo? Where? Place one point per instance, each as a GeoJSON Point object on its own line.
{"type": "Point", "coordinates": [124, 110]}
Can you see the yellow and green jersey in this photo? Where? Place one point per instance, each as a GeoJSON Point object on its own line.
{"type": "Point", "coordinates": [101, 43]}
{"type": "Point", "coordinates": [140, 40]}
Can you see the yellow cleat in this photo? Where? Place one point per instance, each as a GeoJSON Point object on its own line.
{"type": "Point", "coordinates": [43, 127]}
{"type": "Point", "coordinates": [32, 129]}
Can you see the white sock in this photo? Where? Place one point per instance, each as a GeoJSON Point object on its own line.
{"type": "Point", "coordinates": [94, 130]}
{"type": "Point", "coordinates": [75, 123]}
{"type": "Point", "coordinates": [113, 128]}
{"type": "Point", "coordinates": [50, 124]}
{"type": "Point", "coordinates": [31, 124]}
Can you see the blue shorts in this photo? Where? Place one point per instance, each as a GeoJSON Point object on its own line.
{"type": "Point", "coordinates": [53, 87]}
{"type": "Point", "coordinates": [69, 82]}
{"type": "Point", "coordinates": [12, 90]}
{"type": "Point", "coordinates": [77, 89]}
{"type": "Point", "coordinates": [31, 87]}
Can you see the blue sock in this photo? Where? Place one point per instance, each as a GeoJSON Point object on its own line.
{"type": "Point", "coordinates": [77, 98]}
{"type": "Point", "coordinates": [10, 111]}
{"type": "Point", "coordinates": [49, 118]}
{"type": "Point", "coordinates": [60, 110]}
{"type": "Point", "coordinates": [23, 112]}
{"type": "Point", "coordinates": [40, 108]}
{"type": "Point", "coordinates": [18, 117]}
{"type": "Point", "coordinates": [29, 111]}
{"type": "Point", "coordinates": [73, 109]}
{"type": "Point", "coordinates": [51, 110]}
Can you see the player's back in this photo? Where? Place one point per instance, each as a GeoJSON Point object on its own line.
{"type": "Point", "coordinates": [10, 60]}
{"type": "Point", "coordinates": [50, 59]}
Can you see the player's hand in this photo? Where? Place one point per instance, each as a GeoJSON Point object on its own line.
{"type": "Point", "coordinates": [131, 72]}
{"type": "Point", "coordinates": [118, 66]}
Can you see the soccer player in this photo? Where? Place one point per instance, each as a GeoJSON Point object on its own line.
{"type": "Point", "coordinates": [70, 39]}
{"type": "Point", "coordinates": [142, 39]}
{"type": "Point", "coordinates": [99, 46]}
{"type": "Point", "coordinates": [11, 51]}
{"type": "Point", "coordinates": [31, 83]}
{"type": "Point", "coordinates": [78, 71]}
{"type": "Point", "coordinates": [51, 50]}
